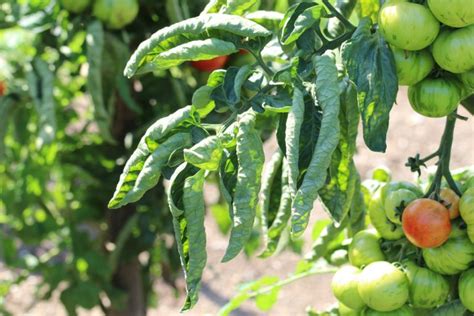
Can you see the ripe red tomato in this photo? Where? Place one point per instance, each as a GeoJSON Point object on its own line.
{"type": "Point", "coordinates": [3, 88]}
{"type": "Point", "coordinates": [210, 64]}
{"type": "Point", "coordinates": [426, 223]}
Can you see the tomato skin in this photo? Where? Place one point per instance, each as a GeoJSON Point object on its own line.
{"type": "Point", "coordinates": [466, 289]}
{"type": "Point", "coordinates": [394, 201]}
{"type": "Point", "coordinates": [407, 25]}
{"type": "Point", "coordinates": [412, 66]}
{"type": "Point", "coordinates": [422, 281]}
{"type": "Point", "coordinates": [210, 64]}
{"type": "Point", "coordinates": [451, 200]}
{"type": "Point", "coordinates": [453, 49]}
{"type": "Point", "coordinates": [451, 258]}
{"type": "Point", "coordinates": [383, 287]}
{"type": "Point", "coordinates": [75, 6]}
{"type": "Point", "coordinates": [426, 223]}
{"type": "Point", "coordinates": [365, 248]}
{"type": "Point", "coordinates": [379, 220]}
{"type": "Point", "coordinates": [344, 286]}
{"type": "Point", "coordinates": [456, 13]}
{"type": "Point", "coordinates": [405, 310]}
{"type": "Point", "coordinates": [466, 209]}
{"type": "Point", "coordinates": [435, 97]}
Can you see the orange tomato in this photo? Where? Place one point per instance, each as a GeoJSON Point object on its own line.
{"type": "Point", "coordinates": [426, 223]}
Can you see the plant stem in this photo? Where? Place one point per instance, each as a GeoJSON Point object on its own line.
{"type": "Point", "coordinates": [262, 64]}
{"type": "Point", "coordinates": [291, 279]}
{"type": "Point", "coordinates": [347, 24]}
{"type": "Point", "coordinates": [444, 153]}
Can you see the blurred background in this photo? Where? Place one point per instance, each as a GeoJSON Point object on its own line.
{"type": "Point", "coordinates": [68, 122]}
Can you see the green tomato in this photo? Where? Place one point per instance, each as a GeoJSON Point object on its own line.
{"type": "Point", "coordinates": [116, 13]}
{"type": "Point", "coordinates": [435, 97]}
{"type": "Point", "coordinates": [407, 25]}
{"type": "Point", "coordinates": [383, 287]}
{"type": "Point", "coordinates": [467, 79]}
{"type": "Point", "coordinates": [344, 286]}
{"type": "Point", "coordinates": [402, 311]}
{"type": "Point", "coordinates": [454, 13]}
{"type": "Point", "coordinates": [422, 281]}
{"type": "Point", "coordinates": [466, 209]}
{"type": "Point", "coordinates": [453, 49]}
{"type": "Point", "coordinates": [365, 248]}
{"type": "Point", "coordinates": [466, 289]}
{"type": "Point", "coordinates": [453, 308]}
{"type": "Point", "coordinates": [382, 174]}
{"type": "Point", "coordinates": [398, 185]}
{"type": "Point", "coordinates": [387, 229]}
{"type": "Point", "coordinates": [458, 228]}
{"type": "Point", "coordinates": [468, 184]}
{"type": "Point", "coordinates": [453, 257]}
{"type": "Point", "coordinates": [412, 66]}
{"type": "Point", "coordinates": [75, 6]}
{"type": "Point", "coordinates": [346, 311]}
{"type": "Point", "coordinates": [395, 203]}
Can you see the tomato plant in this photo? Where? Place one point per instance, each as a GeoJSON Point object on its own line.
{"type": "Point", "coordinates": [308, 78]}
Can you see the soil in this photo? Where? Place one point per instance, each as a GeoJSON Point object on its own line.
{"type": "Point", "coordinates": [409, 134]}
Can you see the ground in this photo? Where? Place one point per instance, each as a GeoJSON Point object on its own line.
{"type": "Point", "coordinates": [409, 133]}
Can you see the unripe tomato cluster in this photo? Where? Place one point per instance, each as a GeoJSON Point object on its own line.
{"type": "Point", "coordinates": [433, 49]}
{"type": "Point", "coordinates": [435, 264]}
{"type": "Point", "coordinates": [116, 14]}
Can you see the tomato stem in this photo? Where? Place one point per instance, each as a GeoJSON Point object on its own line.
{"type": "Point", "coordinates": [444, 154]}
{"type": "Point", "coordinates": [262, 63]}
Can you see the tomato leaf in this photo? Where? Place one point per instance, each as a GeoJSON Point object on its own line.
{"type": "Point", "coordinates": [250, 159]}
{"type": "Point", "coordinates": [294, 122]}
{"type": "Point", "coordinates": [95, 51]}
{"type": "Point", "coordinates": [275, 202]}
{"type": "Point", "coordinates": [142, 170]}
{"type": "Point", "coordinates": [298, 19]}
{"type": "Point", "coordinates": [186, 202]}
{"type": "Point", "coordinates": [206, 154]}
{"type": "Point", "coordinates": [268, 19]}
{"type": "Point", "coordinates": [180, 41]}
{"type": "Point", "coordinates": [328, 97]}
{"type": "Point", "coordinates": [371, 66]}
{"type": "Point", "coordinates": [337, 194]}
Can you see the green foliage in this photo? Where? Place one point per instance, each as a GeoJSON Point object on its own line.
{"type": "Point", "coordinates": [371, 66]}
